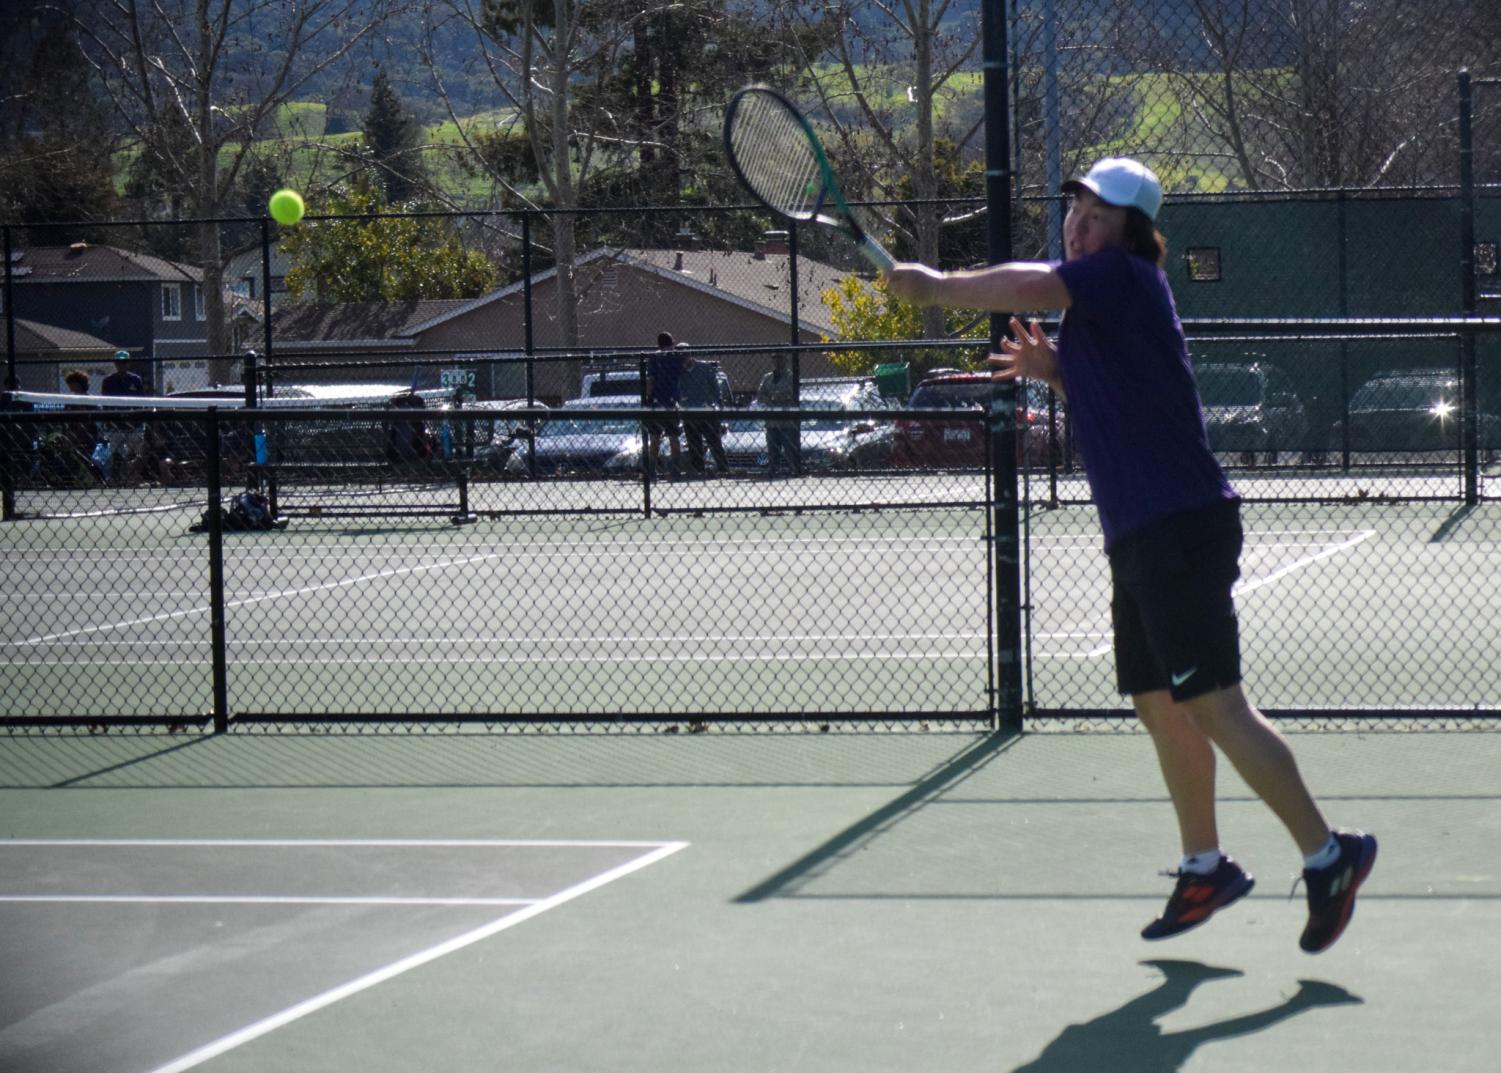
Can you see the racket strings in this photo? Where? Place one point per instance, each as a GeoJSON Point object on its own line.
{"type": "Point", "coordinates": [775, 157]}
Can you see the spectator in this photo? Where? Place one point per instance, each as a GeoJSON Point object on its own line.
{"type": "Point", "coordinates": [126, 440]}
{"type": "Point", "coordinates": [82, 435]}
{"type": "Point", "coordinates": [778, 391]}
{"type": "Point", "coordinates": [409, 440]}
{"type": "Point", "coordinates": [663, 388]}
{"type": "Point", "coordinates": [700, 391]}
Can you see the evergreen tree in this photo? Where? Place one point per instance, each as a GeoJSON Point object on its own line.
{"type": "Point", "coordinates": [55, 161]}
{"type": "Point", "coordinates": [391, 138]}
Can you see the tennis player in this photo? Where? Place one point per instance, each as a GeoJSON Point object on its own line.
{"type": "Point", "coordinates": [1172, 530]}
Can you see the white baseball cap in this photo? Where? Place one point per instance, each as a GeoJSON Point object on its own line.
{"type": "Point", "coordinates": [1123, 182]}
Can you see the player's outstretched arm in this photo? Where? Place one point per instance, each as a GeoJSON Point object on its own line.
{"type": "Point", "coordinates": [1016, 285]}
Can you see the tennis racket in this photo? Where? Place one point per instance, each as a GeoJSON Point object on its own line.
{"type": "Point", "coordinates": [778, 157]}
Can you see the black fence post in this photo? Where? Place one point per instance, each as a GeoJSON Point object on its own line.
{"type": "Point", "coordinates": [794, 314]}
{"type": "Point", "coordinates": [12, 376]}
{"type": "Point", "coordinates": [216, 575]}
{"type": "Point", "coordinates": [529, 340]}
{"type": "Point", "coordinates": [266, 332]}
{"type": "Point", "coordinates": [1469, 380]}
{"type": "Point", "coordinates": [12, 383]}
{"type": "Point", "coordinates": [1007, 518]}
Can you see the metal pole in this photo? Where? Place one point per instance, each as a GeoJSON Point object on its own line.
{"type": "Point", "coordinates": [1469, 300]}
{"type": "Point", "coordinates": [795, 314]}
{"type": "Point", "coordinates": [266, 348]}
{"type": "Point", "coordinates": [528, 343]}
{"type": "Point", "coordinates": [216, 577]}
{"type": "Point", "coordinates": [12, 379]}
{"type": "Point", "coordinates": [1052, 128]}
{"type": "Point", "coordinates": [12, 383]}
{"type": "Point", "coordinates": [1004, 503]}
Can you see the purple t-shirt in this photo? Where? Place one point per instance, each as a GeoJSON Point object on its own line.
{"type": "Point", "coordinates": [1133, 402]}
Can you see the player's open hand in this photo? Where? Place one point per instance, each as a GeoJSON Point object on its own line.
{"type": "Point", "coordinates": [1028, 353]}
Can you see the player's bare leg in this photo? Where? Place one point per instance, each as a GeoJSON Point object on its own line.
{"type": "Point", "coordinates": [1263, 759]}
{"type": "Point", "coordinates": [1187, 759]}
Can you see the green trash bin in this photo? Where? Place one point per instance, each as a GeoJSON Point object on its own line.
{"type": "Point", "coordinates": [893, 379]}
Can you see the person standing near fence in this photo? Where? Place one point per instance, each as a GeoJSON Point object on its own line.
{"type": "Point", "coordinates": [1172, 531]}
{"type": "Point", "coordinates": [83, 436]}
{"type": "Point", "coordinates": [662, 389]}
{"type": "Point", "coordinates": [778, 391]}
{"type": "Point", "coordinates": [126, 441]}
{"type": "Point", "coordinates": [701, 392]}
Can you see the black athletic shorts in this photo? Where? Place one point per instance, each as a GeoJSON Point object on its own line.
{"type": "Point", "coordinates": [1174, 616]}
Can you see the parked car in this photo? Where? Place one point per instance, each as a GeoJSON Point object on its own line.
{"type": "Point", "coordinates": [493, 439]}
{"type": "Point", "coordinates": [1251, 409]}
{"type": "Point", "coordinates": [963, 442]}
{"type": "Point", "coordinates": [569, 443]}
{"type": "Point", "coordinates": [1411, 410]}
{"type": "Point", "coordinates": [627, 381]}
{"type": "Point", "coordinates": [827, 442]}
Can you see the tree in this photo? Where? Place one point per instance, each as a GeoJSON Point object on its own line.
{"type": "Point", "coordinates": [380, 258]}
{"type": "Point", "coordinates": [194, 83]}
{"type": "Point", "coordinates": [1286, 94]}
{"type": "Point", "coordinates": [862, 310]}
{"type": "Point", "coordinates": [898, 84]}
{"type": "Point", "coordinates": [55, 136]}
{"type": "Point", "coordinates": [537, 54]}
{"type": "Point", "coordinates": [392, 139]}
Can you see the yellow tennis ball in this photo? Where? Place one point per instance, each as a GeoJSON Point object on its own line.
{"type": "Point", "coordinates": [286, 206]}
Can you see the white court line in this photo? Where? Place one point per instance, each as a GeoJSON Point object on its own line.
{"type": "Point", "coordinates": [1242, 587]}
{"type": "Point", "coordinates": [574, 551]}
{"type": "Point", "coordinates": [247, 601]}
{"type": "Point", "coordinates": [327, 998]}
{"type": "Point", "coordinates": [250, 899]}
{"type": "Point", "coordinates": [299, 843]}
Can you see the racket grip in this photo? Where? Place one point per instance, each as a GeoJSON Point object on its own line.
{"type": "Point", "coordinates": [876, 254]}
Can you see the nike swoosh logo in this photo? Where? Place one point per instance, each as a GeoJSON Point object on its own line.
{"type": "Point", "coordinates": [1179, 679]}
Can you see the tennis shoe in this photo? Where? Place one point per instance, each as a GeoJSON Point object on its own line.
{"type": "Point", "coordinates": [1331, 890]}
{"type": "Point", "coordinates": [1198, 897]}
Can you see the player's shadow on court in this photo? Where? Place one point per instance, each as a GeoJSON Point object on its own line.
{"type": "Point", "coordinates": [1128, 1040]}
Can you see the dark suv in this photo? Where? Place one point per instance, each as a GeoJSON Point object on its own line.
{"type": "Point", "coordinates": [962, 442]}
{"type": "Point", "coordinates": [1251, 410]}
{"type": "Point", "coordinates": [1411, 410]}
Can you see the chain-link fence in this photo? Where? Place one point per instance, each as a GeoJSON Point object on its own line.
{"type": "Point", "coordinates": [1332, 233]}
{"type": "Point", "coordinates": [445, 565]}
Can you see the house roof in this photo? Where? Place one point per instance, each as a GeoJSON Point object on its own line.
{"type": "Point", "coordinates": [744, 279]}
{"type": "Point", "coordinates": [85, 263]}
{"type": "Point", "coordinates": [344, 324]}
{"type": "Point", "coordinates": [33, 335]}
{"type": "Point", "coordinates": [759, 281]}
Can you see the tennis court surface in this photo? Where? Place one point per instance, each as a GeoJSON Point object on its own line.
{"type": "Point", "coordinates": [471, 901]}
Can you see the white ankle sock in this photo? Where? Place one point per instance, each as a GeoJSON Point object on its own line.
{"type": "Point", "coordinates": [1201, 864]}
{"type": "Point", "coordinates": [1324, 856]}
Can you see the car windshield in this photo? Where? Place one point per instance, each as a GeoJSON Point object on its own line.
{"type": "Point", "coordinates": [1403, 393]}
{"type": "Point", "coordinates": [960, 395]}
{"type": "Point", "coordinates": [557, 427]}
{"type": "Point", "coordinates": [1221, 385]}
{"type": "Point", "coordinates": [834, 407]}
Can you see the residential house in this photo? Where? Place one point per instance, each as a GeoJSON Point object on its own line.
{"type": "Point", "coordinates": [45, 352]}
{"type": "Point", "coordinates": [624, 298]}
{"type": "Point", "coordinates": [244, 275]}
{"type": "Point", "coordinates": [134, 301]}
